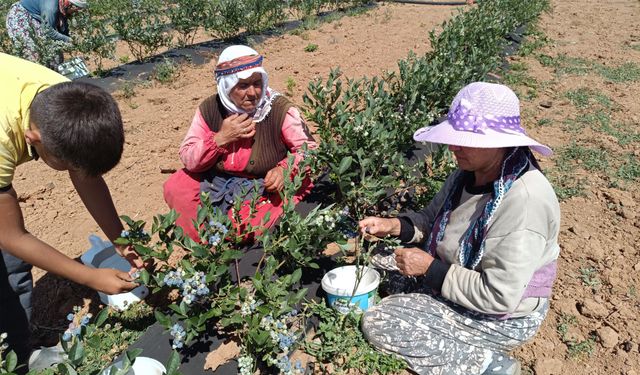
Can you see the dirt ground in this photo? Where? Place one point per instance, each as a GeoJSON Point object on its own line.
{"type": "Point", "coordinates": [599, 231]}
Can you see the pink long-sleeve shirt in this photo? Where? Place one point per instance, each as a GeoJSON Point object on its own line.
{"type": "Point", "coordinates": [199, 151]}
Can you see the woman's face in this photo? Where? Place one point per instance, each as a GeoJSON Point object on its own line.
{"type": "Point", "coordinates": [481, 161]}
{"type": "Point", "coordinates": [247, 93]}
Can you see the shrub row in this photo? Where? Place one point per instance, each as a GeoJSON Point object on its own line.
{"type": "Point", "coordinates": [366, 124]}
{"type": "Point", "coordinates": [148, 25]}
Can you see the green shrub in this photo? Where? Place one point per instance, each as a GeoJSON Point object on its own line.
{"type": "Point", "coordinates": [142, 25]}
{"type": "Point", "coordinates": [187, 16]}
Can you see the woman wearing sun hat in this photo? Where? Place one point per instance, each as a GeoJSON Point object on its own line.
{"type": "Point", "coordinates": [243, 133]}
{"type": "Point", "coordinates": [479, 282]}
{"type": "Point", "coordinates": [32, 22]}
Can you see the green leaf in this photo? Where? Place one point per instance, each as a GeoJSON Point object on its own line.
{"type": "Point", "coordinates": [176, 309]}
{"type": "Point", "coordinates": [173, 363]}
{"type": "Point", "coordinates": [345, 164]}
{"type": "Point", "coordinates": [234, 319]}
{"type": "Point", "coordinates": [162, 318]}
{"type": "Point", "coordinates": [127, 220]}
{"type": "Point", "coordinates": [295, 276]}
{"type": "Point", "coordinates": [66, 369]}
{"type": "Point", "coordinates": [121, 241]}
{"type": "Point", "coordinates": [144, 276]}
{"type": "Point", "coordinates": [11, 361]}
{"type": "Point", "coordinates": [76, 354]}
{"type": "Point", "coordinates": [232, 254]}
{"type": "Point", "coordinates": [133, 354]}
{"type": "Point", "coordinates": [101, 317]}
{"type": "Point", "coordinates": [300, 295]}
{"type": "Point", "coordinates": [142, 250]}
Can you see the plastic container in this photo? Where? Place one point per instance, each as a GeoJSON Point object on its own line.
{"type": "Point", "coordinates": [141, 366]}
{"type": "Point", "coordinates": [102, 254]}
{"type": "Point", "coordinates": [339, 284]}
{"type": "Point", "coordinates": [74, 68]}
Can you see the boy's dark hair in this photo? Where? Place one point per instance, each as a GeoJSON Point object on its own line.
{"type": "Point", "coordinates": [80, 123]}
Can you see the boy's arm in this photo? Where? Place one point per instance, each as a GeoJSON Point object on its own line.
{"type": "Point", "coordinates": [15, 240]}
{"type": "Point", "coordinates": [97, 199]}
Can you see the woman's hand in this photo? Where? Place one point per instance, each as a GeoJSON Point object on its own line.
{"type": "Point", "coordinates": [412, 261]}
{"type": "Point", "coordinates": [235, 127]}
{"type": "Point", "coordinates": [380, 227]}
{"type": "Point", "coordinates": [274, 179]}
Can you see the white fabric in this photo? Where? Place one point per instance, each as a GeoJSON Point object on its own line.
{"type": "Point", "coordinates": [79, 3]}
{"type": "Point", "coordinates": [229, 81]}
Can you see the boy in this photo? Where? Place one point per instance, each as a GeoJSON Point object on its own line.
{"type": "Point", "coordinates": [71, 126]}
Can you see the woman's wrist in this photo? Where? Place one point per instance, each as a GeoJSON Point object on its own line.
{"type": "Point", "coordinates": [220, 139]}
{"type": "Point", "coordinates": [395, 227]}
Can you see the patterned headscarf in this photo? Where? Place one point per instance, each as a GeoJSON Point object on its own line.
{"type": "Point", "coordinates": [471, 248]}
{"type": "Point", "coordinates": [64, 5]}
{"type": "Point", "coordinates": [240, 62]}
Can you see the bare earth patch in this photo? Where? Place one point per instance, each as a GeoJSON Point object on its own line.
{"type": "Point", "coordinates": [595, 304]}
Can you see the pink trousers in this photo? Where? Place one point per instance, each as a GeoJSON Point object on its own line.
{"type": "Point", "coordinates": [182, 193]}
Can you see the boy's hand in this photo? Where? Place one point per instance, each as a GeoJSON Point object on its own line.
{"type": "Point", "coordinates": [134, 259]}
{"type": "Point", "coordinates": [110, 281]}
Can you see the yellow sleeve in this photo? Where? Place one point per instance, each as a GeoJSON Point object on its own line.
{"type": "Point", "coordinates": [8, 163]}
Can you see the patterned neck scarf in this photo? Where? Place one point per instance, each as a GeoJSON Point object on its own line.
{"type": "Point", "coordinates": [471, 247]}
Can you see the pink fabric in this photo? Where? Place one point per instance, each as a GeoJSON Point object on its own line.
{"type": "Point", "coordinates": [199, 153]}
{"type": "Point", "coordinates": [542, 281]}
{"type": "Point", "coordinates": [182, 193]}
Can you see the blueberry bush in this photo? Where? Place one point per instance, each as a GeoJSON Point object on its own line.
{"type": "Point", "coordinates": [146, 26]}
{"type": "Point", "coordinates": [365, 127]}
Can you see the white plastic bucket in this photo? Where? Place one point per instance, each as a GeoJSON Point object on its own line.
{"type": "Point", "coordinates": [340, 282]}
{"type": "Point", "coordinates": [102, 254]}
{"type": "Point", "coordinates": [141, 366]}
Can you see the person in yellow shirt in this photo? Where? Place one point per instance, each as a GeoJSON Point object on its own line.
{"type": "Point", "coordinates": [71, 126]}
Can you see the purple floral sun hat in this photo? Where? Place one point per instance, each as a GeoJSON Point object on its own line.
{"type": "Point", "coordinates": [482, 115]}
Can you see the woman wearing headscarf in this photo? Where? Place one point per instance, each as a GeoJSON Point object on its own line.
{"type": "Point", "coordinates": [479, 282]}
{"type": "Point", "coordinates": [32, 22]}
{"type": "Point", "coordinates": [241, 135]}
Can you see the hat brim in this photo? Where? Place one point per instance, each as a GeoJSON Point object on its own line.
{"type": "Point", "coordinates": [444, 133]}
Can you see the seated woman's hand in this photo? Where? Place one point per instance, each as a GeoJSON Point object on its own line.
{"type": "Point", "coordinates": [235, 127]}
{"type": "Point", "coordinates": [380, 227]}
{"type": "Point", "coordinates": [274, 179]}
{"type": "Point", "coordinates": [412, 261]}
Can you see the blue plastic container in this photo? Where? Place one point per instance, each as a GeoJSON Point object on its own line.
{"type": "Point", "coordinates": [339, 285]}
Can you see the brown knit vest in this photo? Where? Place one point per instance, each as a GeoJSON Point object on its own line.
{"type": "Point", "coordinates": [267, 148]}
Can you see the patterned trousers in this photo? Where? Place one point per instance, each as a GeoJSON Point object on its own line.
{"type": "Point", "coordinates": [26, 34]}
{"type": "Point", "coordinates": [435, 336]}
